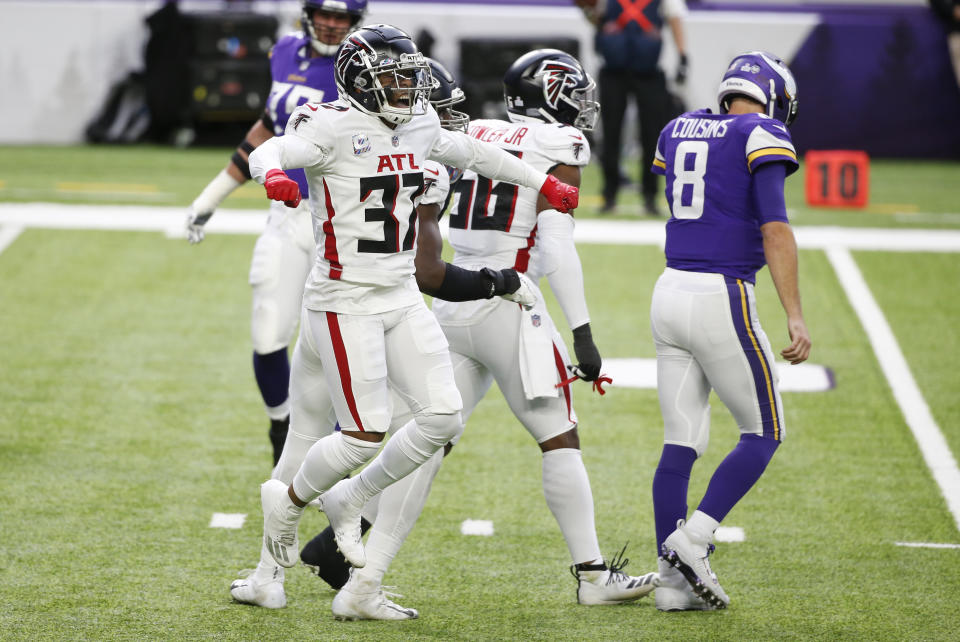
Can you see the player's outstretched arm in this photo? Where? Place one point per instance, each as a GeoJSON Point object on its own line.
{"type": "Point", "coordinates": [452, 283]}
{"type": "Point", "coordinates": [562, 267]}
{"type": "Point", "coordinates": [235, 174]}
{"type": "Point", "coordinates": [460, 150]}
{"type": "Point", "coordinates": [780, 248]}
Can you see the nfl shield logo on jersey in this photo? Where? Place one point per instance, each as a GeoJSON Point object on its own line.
{"type": "Point", "coordinates": [396, 141]}
{"type": "Point", "coordinates": [361, 144]}
{"type": "Point", "coordinates": [535, 320]}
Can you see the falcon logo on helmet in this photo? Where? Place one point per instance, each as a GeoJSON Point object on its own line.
{"type": "Point", "coordinates": [549, 85]}
{"type": "Point", "coordinates": [557, 76]}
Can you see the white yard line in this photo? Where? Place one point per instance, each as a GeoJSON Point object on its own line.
{"type": "Point", "coordinates": [9, 234]}
{"type": "Point", "coordinates": [170, 220]}
{"type": "Point", "coordinates": [227, 520]}
{"type": "Point", "coordinates": [933, 446]}
{"type": "Point", "coordinates": [926, 545]}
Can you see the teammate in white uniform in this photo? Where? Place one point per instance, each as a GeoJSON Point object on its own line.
{"type": "Point", "coordinates": [311, 408]}
{"type": "Point", "coordinates": [364, 318]}
{"type": "Point", "coordinates": [549, 99]}
{"type": "Point", "coordinates": [498, 225]}
{"type": "Point", "coordinates": [301, 66]}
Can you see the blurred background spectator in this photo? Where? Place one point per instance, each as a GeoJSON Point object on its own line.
{"type": "Point", "coordinates": [628, 39]}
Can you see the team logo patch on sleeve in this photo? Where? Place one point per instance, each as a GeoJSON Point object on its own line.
{"type": "Point", "coordinates": [361, 144]}
{"type": "Point", "coordinates": [300, 118]}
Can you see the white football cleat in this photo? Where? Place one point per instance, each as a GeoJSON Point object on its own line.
{"type": "Point", "coordinates": [365, 600]}
{"type": "Point", "coordinates": [689, 555]}
{"type": "Point", "coordinates": [611, 585]}
{"type": "Point", "coordinates": [675, 593]}
{"type": "Point", "coordinates": [266, 592]}
{"type": "Point", "coordinates": [280, 520]}
{"type": "Point", "coordinates": [345, 520]}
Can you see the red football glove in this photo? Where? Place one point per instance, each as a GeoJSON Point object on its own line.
{"type": "Point", "coordinates": [561, 196]}
{"type": "Point", "coordinates": [281, 187]}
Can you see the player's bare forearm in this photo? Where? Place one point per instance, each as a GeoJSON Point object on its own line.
{"type": "Point", "coordinates": [569, 174]}
{"type": "Point", "coordinates": [676, 28]}
{"type": "Point", "coordinates": [255, 137]}
{"type": "Point", "coordinates": [428, 261]}
{"type": "Point", "coordinates": [780, 249]}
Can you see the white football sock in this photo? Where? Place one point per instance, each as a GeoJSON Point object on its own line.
{"type": "Point", "coordinates": [267, 568]}
{"type": "Point", "coordinates": [701, 526]}
{"type": "Point", "coordinates": [410, 447]}
{"type": "Point", "coordinates": [328, 461]}
{"type": "Point", "coordinates": [566, 488]}
{"type": "Point", "coordinates": [402, 504]}
{"type": "Point", "coordinates": [295, 450]}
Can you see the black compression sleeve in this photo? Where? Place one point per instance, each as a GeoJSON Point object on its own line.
{"type": "Point", "coordinates": [463, 285]}
{"type": "Point", "coordinates": [267, 121]}
{"type": "Point", "coordinates": [242, 164]}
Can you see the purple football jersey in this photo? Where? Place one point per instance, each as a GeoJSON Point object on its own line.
{"type": "Point", "coordinates": [708, 160]}
{"type": "Point", "coordinates": [297, 79]}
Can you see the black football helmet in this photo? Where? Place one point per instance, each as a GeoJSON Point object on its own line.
{"type": "Point", "coordinates": [381, 72]}
{"type": "Point", "coordinates": [353, 8]}
{"type": "Point", "coordinates": [447, 93]}
{"type": "Point", "coordinates": [551, 86]}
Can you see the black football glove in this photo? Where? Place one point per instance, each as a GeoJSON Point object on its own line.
{"type": "Point", "coordinates": [588, 357]}
{"type": "Point", "coordinates": [501, 282]}
{"type": "Point", "coordinates": [682, 70]}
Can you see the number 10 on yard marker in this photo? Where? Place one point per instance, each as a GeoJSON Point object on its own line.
{"type": "Point", "coordinates": [837, 178]}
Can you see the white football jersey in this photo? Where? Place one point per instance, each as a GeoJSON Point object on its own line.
{"type": "Point", "coordinates": [436, 182]}
{"type": "Point", "coordinates": [365, 179]}
{"type": "Point", "coordinates": [496, 221]}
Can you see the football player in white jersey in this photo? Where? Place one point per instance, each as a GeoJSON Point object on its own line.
{"type": "Point", "coordinates": [549, 99]}
{"type": "Point", "coordinates": [364, 319]}
{"type": "Point", "coordinates": [311, 408]}
{"type": "Point", "coordinates": [493, 224]}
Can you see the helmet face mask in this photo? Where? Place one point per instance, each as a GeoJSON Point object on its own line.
{"type": "Point", "coordinates": [326, 40]}
{"type": "Point", "coordinates": [551, 86]}
{"type": "Point", "coordinates": [380, 71]}
{"type": "Point", "coordinates": [762, 77]}
{"type": "Point", "coordinates": [447, 93]}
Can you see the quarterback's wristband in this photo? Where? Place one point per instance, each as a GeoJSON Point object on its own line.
{"type": "Point", "coordinates": [463, 285]}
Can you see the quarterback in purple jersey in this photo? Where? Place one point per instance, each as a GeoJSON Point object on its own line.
{"type": "Point", "coordinates": [724, 182]}
{"type": "Point", "coordinates": [301, 66]}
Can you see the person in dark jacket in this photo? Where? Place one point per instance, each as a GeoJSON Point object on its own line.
{"type": "Point", "coordinates": [629, 39]}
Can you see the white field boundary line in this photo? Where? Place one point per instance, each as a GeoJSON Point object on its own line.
{"type": "Point", "coordinates": [9, 234]}
{"type": "Point", "coordinates": [170, 221]}
{"type": "Point", "coordinates": [933, 446]}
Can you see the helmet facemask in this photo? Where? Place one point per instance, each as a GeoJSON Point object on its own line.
{"type": "Point", "coordinates": [327, 40]}
{"type": "Point", "coordinates": [585, 102]}
{"type": "Point", "coordinates": [400, 89]}
{"type": "Point", "coordinates": [450, 118]}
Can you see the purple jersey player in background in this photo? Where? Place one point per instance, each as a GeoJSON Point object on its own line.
{"type": "Point", "coordinates": [301, 65]}
{"type": "Point", "coordinates": [724, 182]}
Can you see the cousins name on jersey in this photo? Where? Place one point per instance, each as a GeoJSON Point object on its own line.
{"type": "Point", "coordinates": [699, 128]}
